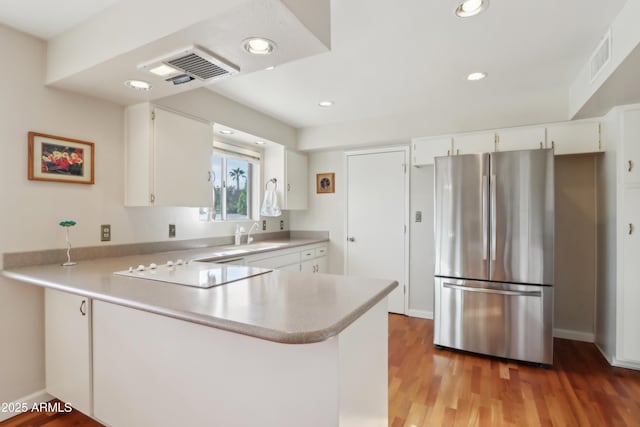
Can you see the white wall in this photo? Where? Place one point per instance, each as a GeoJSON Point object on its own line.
{"type": "Point", "coordinates": [422, 253]}
{"type": "Point", "coordinates": [326, 211]}
{"type": "Point", "coordinates": [31, 210]}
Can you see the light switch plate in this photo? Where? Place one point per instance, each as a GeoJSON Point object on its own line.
{"type": "Point", "coordinates": [172, 230]}
{"type": "Point", "coordinates": [105, 232]}
{"type": "Point", "coordinates": [418, 216]}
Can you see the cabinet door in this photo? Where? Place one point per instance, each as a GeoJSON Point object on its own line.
{"type": "Point", "coordinates": [474, 143]}
{"type": "Point", "coordinates": [629, 343]}
{"type": "Point", "coordinates": [520, 139]}
{"type": "Point", "coordinates": [182, 149]}
{"type": "Point", "coordinates": [631, 146]}
{"type": "Point", "coordinates": [425, 149]}
{"type": "Point", "coordinates": [296, 180]}
{"type": "Point", "coordinates": [321, 265]}
{"type": "Point", "coordinates": [574, 138]}
{"type": "Point", "coordinates": [308, 266]}
{"type": "Point", "coordinates": [67, 348]}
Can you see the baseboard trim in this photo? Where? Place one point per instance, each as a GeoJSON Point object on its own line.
{"type": "Point", "coordinates": [574, 335]}
{"type": "Point", "coordinates": [605, 355]}
{"type": "Point", "coordinates": [37, 397]}
{"type": "Point", "coordinates": [423, 314]}
{"type": "Point", "coordinates": [628, 365]}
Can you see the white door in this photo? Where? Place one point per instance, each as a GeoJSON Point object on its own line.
{"type": "Point", "coordinates": [377, 218]}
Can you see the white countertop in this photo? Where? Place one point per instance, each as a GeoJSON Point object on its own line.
{"type": "Point", "coordinates": [280, 306]}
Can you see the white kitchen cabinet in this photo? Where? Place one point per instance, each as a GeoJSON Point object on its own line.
{"type": "Point", "coordinates": [424, 150]}
{"type": "Point", "coordinates": [307, 259]}
{"type": "Point", "coordinates": [631, 154]}
{"type": "Point", "coordinates": [474, 143]}
{"type": "Point", "coordinates": [167, 158]}
{"type": "Point", "coordinates": [574, 138]}
{"type": "Point", "coordinates": [525, 138]}
{"type": "Point", "coordinates": [68, 349]}
{"type": "Point", "coordinates": [629, 339]}
{"type": "Point", "coordinates": [314, 260]}
{"type": "Point", "coordinates": [290, 170]}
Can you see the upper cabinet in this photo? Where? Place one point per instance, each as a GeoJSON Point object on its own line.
{"type": "Point", "coordinates": [631, 151]}
{"type": "Point", "coordinates": [290, 170]}
{"type": "Point", "coordinates": [424, 150]}
{"type": "Point", "coordinates": [565, 138]}
{"type": "Point", "coordinates": [526, 138]}
{"type": "Point", "coordinates": [574, 138]}
{"type": "Point", "coordinates": [473, 143]}
{"type": "Point", "coordinates": [167, 158]}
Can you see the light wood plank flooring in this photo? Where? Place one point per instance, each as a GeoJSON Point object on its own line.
{"type": "Point", "coordinates": [430, 387]}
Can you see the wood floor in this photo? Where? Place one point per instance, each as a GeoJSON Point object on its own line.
{"type": "Point", "coordinates": [430, 387]}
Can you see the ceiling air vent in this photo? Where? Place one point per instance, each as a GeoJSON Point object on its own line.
{"type": "Point", "coordinates": [194, 61]}
{"type": "Point", "coordinates": [600, 56]}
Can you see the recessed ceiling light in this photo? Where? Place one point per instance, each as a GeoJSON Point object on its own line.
{"type": "Point", "coordinates": [470, 8]}
{"type": "Point", "coordinates": [163, 70]}
{"type": "Point", "coordinates": [258, 45]}
{"type": "Point", "coordinates": [226, 131]}
{"type": "Point", "coordinates": [260, 142]}
{"type": "Point", "coordinates": [476, 76]}
{"type": "Point", "coordinates": [273, 67]}
{"type": "Point", "coordinates": [325, 104]}
{"type": "Point", "coordinates": [138, 84]}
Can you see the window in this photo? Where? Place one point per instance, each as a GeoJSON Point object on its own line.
{"type": "Point", "coordinates": [234, 178]}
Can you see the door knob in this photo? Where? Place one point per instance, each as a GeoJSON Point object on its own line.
{"type": "Point", "coordinates": [351, 239]}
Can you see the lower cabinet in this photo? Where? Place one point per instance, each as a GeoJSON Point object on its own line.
{"type": "Point", "coordinates": [307, 259]}
{"type": "Point", "coordinates": [68, 349]}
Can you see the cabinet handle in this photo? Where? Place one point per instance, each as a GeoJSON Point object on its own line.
{"type": "Point", "coordinates": [631, 228]}
{"type": "Point", "coordinates": [351, 239]}
{"type": "Point", "coordinates": [630, 166]}
{"type": "Point", "coordinates": [152, 197]}
{"type": "Point", "coordinates": [448, 152]}
{"type": "Point", "coordinates": [457, 152]}
{"type": "Point", "coordinates": [541, 145]}
{"type": "Point", "coordinates": [83, 307]}
{"type": "Point", "coordinates": [553, 144]}
{"type": "Point", "coordinates": [288, 187]}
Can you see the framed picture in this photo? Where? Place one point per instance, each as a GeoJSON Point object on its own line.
{"type": "Point", "coordinates": [325, 183]}
{"type": "Point", "coordinates": [54, 158]}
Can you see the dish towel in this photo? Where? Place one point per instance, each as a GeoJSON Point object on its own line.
{"type": "Point", "coordinates": [270, 204]}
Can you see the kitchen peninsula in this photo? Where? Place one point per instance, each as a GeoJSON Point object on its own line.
{"type": "Point", "coordinates": [280, 348]}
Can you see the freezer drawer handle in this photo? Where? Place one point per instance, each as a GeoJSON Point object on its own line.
{"type": "Point", "coordinates": [494, 291]}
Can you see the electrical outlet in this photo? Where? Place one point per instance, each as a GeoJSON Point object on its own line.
{"type": "Point", "coordinates": [418, 216]}
{"type": "Point", "coordinates": [281, 224]}
{"type": "Point", "coordinates": [264, 225]}
{"type": "Point", "coordinates": [172, 230]}
{"type": "Point", "coordinates": [105, 232]}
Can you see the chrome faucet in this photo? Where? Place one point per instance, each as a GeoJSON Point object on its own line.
{"type": "Point", "coordinates": [249, 238]}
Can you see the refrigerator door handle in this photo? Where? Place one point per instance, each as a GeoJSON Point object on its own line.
{"type": "Point", "coordinates": [493, 217]}
{"type": "Point", "coordinates": [485, 217]}
{"type": "Point", "coordinates": [493, 291]}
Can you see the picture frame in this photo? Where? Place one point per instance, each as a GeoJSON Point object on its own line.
{"type": "Point", "coordinates": [60, 159]}
{"type": "Point", "coordinates": [325, 183]}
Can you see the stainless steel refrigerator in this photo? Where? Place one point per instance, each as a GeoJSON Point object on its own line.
{"type": "Point", "coordinates": [494, 265]}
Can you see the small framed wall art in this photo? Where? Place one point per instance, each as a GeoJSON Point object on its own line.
{"type": "Point", "coordinates": [54, 158]}
{"type": "Point", "coordinates": [325, 183]}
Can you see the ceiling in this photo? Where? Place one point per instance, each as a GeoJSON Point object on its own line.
{"type": "Point", "coordinates": [386, 58]}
